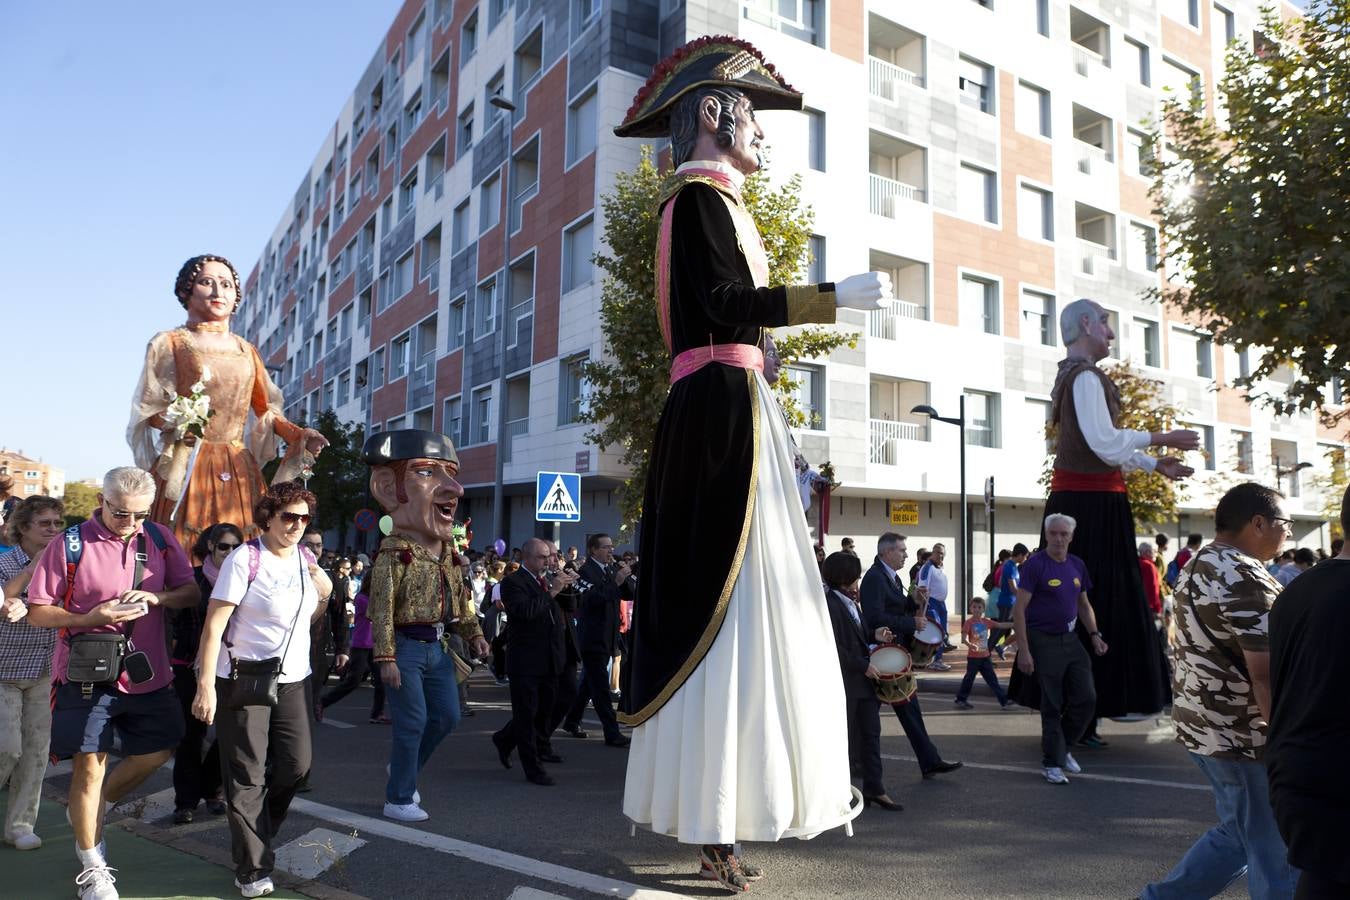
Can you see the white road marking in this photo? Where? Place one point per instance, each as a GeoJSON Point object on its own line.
{"type": "Point", "coordinates": [529, 893]}
{"type": "Point", "coordinates": [489, 856]}
{"type": "Point", "coordinates": [336, 723]}
{"type": "Point", "coordinates": [148, 808]}
{"type": "Point", "coordinates": [315, 851]}
{"type": "Point", "coordinates": [1027, 770]}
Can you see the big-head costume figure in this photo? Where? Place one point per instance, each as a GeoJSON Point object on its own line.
{"type": "Point", "coordinates": [1091, 454]}
{"type": "Point", "coordinates": [740, 718]}
{"type": "Point", "coordinates": [418, 586]}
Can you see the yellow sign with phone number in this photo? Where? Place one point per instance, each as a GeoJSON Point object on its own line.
{"type": "Point", "coordinates": [904, 512]}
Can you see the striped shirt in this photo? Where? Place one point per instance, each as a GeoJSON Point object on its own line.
{"type": "Point", "coordinates": [25, 650]}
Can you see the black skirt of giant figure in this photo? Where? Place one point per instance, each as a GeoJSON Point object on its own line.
{"type": "Point", "coordinates": [1132, 677]}
{"type": "Point", "coordinates": [699, 479]}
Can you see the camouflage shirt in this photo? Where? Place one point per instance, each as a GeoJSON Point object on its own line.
{"type": "Point", "coordinates": [1213, 706]}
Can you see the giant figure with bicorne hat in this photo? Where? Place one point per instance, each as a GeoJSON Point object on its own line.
{"type": "Point", "coordinates": [738, 705]}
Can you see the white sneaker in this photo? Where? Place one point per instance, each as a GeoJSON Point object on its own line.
{"type": "Point", "coordinates": [260, 888]}
{"type": "Point", "coordinates": [24, 840]}
{"type": "Point", "coordinates": [1055, 775]}
{"type": "Point", "coordinates": [1071, 764]}
{"type": "Point", "coordinates": [405, 812]}
{"type": "Point", "coordinates": [96, 883]}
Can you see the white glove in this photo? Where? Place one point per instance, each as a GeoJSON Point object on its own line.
{"type": "Point", "coordinates": [869, 290]}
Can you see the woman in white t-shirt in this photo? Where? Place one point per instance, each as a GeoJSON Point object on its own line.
{"type": "Point", "coordinates": [268, 593]}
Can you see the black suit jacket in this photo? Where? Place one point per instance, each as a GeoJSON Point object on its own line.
{"type": "Point", "coordinates": [538, 642]}
{"type": "Point", "coordinates": [851, 644]}
{"type": "Point", "coordinates": [598, 610]}
{"type": "Point", "coordinates": [884, 603]}
{"type": "Point", "coordinates": [568, 602]}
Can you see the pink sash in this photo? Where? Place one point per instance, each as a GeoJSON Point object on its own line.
{"type": "Point", "coordinates": [743, 356]}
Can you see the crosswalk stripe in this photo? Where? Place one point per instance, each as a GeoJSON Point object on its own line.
{"type": "Point", "coordinates": [315, 852]}
{"type": "Point", "coordinates": [1119, 779]}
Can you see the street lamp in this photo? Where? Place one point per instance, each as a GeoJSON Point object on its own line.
{"type": "Point", "coordinates": [498, 490]}
{"type": "Point", "coordinates": [960, 422]}
{"type": "Point", "coordinates": [1292, 471]}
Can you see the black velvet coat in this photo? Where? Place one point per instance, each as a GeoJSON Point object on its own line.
{"type": "Point", "coordinates": [701, 479]}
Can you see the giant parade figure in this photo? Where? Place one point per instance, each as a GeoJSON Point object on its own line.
{"type": "Point", "coordinates": [206, 416]}
{"type": "Point", "coordinates": [739, 708]}
{"type": "Point", "coordinates": [1087, 484]}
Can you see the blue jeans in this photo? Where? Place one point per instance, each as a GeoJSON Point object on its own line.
{"type": "Point", "coordinates": [1245, 840]}
{"type": "Point", "coordinates": [984, 667]}
{"type": "Point", "coordinates": [937, 610]}
{"type": "Point", "coordinates": [424, 709]}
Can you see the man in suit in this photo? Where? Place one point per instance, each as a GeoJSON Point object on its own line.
{"type": "Point", "coordinates": [884, 602]}
{"type": "Point", "coordinates": [599, 587]}
{"type": "Point", "coordinates": [537, 655]}
{"type": "Point", "coordinates": [563, 586]}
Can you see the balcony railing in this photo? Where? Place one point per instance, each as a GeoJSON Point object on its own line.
{"type": "Point", "coordinates": [514, 429]}
{"type": "Point", "coordinates": [1085, 59]}
{"type": "Point", "coordinates": [885, 323]}
{"type": "Point", "coordinates": [1094, 257]}
{"type": "Point", "coordinates": [886, 436]}
{"type": "Point", "coordinates": [882, 78]}
{"type": "Point", "coordinates": [1093, 159]}
{"type": "Point", "coordinates": [884, 192]}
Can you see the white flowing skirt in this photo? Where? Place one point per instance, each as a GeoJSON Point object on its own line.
{"type": "Point", "coordinates": [754, 745]}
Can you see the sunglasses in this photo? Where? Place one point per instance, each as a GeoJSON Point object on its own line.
{"type": "Point", "coordinates": [123, 514]}
{"type": "Point", "coordinates": [225, 547]}
{"type": "Point", "coordinates": [291, 518]}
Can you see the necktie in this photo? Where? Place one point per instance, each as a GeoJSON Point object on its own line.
{"type": "Point", "coordinates": [543, 584]}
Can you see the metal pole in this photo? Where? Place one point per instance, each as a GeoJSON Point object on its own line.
{"type": "Point", "coordinates": [498, 490]}
{"type": "Point", "coordinates": [993, 558]}
{"type": "Point", "coordinates": [965, 536]}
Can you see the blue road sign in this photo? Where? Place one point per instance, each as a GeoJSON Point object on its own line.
{"type": "Point", "coordinates": [557, 497]}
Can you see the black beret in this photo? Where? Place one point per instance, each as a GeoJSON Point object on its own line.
{"type": "Point", "coordinates": [386, 447]}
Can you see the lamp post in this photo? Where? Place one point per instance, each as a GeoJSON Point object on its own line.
{"type": "Point", "coordinates": [1292, 471]}
{"type": "Point", "coordinates": [960, 422]}
{"type": "Point", "coordinates": [498, 489]}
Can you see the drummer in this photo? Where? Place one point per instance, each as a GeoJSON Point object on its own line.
{"type": "Point", "coordinates": [884, 602]}
{"type": "Point", "coordinates": [841, 572]}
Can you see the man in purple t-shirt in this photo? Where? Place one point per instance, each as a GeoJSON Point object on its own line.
{"type": "Point", "coordinates": [1051, 598]}
{"type": "Point", "coordinates": [141, 706]}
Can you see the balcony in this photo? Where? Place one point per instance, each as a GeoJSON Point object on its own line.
{"type": "Point", "coordinates": [895, 56]}
{"type": "Point", "coordinates": [514, 429]}
{"type": "Point", "coordinates": [882, 78]}
{"type": "Point", "coordinates": [886, 323]}
{"type": "Point", "coordinates": [909, 282]}
{"type": "Point", "coordinates": [1096, 233]}
{"type": "Point", "coordinates": [1091, 39]}
{"type": "Point", "coordinates": [885, 437]}
{"type": "Point", "coordinates": [883, 192]}
{"type": "Point", "coordinates": [897, 171]}
{"type": "Point", "coordinates": [1094, 258]}
{"type": "Point", "coordinates": [1087, 60]}
{"type": "Point", "coordinates": [422, 383]}
{"type": "Point", "coordinates": [1093, 135]}
{"type": "Point", "coordinates": [1093, 159]}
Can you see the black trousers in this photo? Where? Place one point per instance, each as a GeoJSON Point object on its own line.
{"type": "Point", "coordinates": [911, 719]}
{"type": "Point", "coordinates": [358, 666]}
{"type": "Point", "coordinates": [594, 688]}
{"type": "Point", "coordinates": [864, 742]}
{"type": "Point", "coordinates": [1064, 674]}
{"type": "Point", "coordinates": [259, 794]}
{"type": "Point", "coordinates": [194, 779]}
{"type": "Point", "coordinates": [1312, 886]}
{"type": "Point", "coordinates": [564, 694]}
{"type": "Point", "coordinates": [531, 712]}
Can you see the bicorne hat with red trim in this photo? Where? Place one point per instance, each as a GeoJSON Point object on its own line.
{"type": "Point", "coordinates": [717, 60]}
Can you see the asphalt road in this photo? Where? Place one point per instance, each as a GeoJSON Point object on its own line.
{"type": "Point", "coordinates": [992, 829]}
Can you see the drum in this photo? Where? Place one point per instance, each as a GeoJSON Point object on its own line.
{"type": "Point", "coordinates": [903, 689]}
{"type": "Point", "coordinates": [893, 662]}
{"type": "Point", "coordinates": [927, 642]}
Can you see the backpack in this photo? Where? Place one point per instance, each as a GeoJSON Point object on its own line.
{"type": "Point", "coordinates": [1170, 576]}
{"type": "Point", "coordinates": [255, 559]}
{"type": "Point", "coordinates": [75, 552]}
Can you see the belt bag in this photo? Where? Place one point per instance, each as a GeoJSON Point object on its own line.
{"type": "Point", "coordinates": [95, 658]}
{"type": "Point", "coordinates": [253, 682]}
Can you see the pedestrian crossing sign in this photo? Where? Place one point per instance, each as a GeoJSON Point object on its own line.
{"type": "Point", "coordinates": [557, 497]}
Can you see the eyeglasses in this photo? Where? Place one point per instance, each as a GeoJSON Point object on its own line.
{"type": "Point", "coordinates": [123, 514]}
{"type": "Point", "coordinates": [226, 547]}
{"type": "Point", "coordinates": [1287, 523]}
{"type": "Point", "coordinates": [604, 546]}
{"type": "Point", "coordinates": [291, 518]}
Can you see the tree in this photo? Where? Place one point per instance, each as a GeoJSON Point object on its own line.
{"type": "Point", "coordinates": [1330, 486]}
{"type": "Point", "coordinates": [628, 387]}
{"type": "Point", "coordinates": [1153, 497]}
{"type": "Point", "coordinates": [1254, 211]}
{"type": "Point", "coordinates": [80, 501]}
{"type": "Point", "coordinates": [341, 477]}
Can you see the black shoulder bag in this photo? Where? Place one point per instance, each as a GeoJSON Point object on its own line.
{"type": "Point", "coordinates": [101, 657]}
{"type": "Point", "coordinates": [253, 682]}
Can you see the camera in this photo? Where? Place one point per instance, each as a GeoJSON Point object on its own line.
{"type": "Point", "coordinates": [138, 668]}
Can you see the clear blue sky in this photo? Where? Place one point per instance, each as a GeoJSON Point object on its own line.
{"type": "Point", "coordinates": [138, 135]}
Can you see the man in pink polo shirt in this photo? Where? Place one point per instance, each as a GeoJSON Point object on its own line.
{"type": "Point", "coordinates": [141, 707]}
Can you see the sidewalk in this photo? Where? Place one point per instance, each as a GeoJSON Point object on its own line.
{"type": "Point", "coordinates": [950, 682]}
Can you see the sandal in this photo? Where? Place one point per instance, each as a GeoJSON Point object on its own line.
{"type": "Point", "coordinates": [718, 863]}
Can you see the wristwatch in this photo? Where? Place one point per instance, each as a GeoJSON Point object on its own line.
{"type": "Point", "coordinates": [1095, 634]}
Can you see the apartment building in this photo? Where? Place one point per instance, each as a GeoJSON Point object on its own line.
{"type": "Point", "coordinates": [31, 476]}
{"type": "Point", "coordinates": [433, 267]}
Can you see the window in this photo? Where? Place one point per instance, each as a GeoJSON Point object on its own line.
{"type": "Point", "coordinates": [975, 82]}
{"type": "Point", "coordinates": [1139, 156]}
{"type": "Point", "coordinates": [1043, 17]}
{"type": "Point", "coordinates": [468, 38]}
{"type": "Point", "coordinates": [1038, 317]}
{"type": "Point", "coordinates": [582, 13]}
{"type": "Point", "coordinates": [1142, 252]}
{"type": "Point", "coordinates": [403, 275]}
{"type": "Point", "coordinates": [529, 63]}
{"type": "Point", "coordinates": [979, 304]}
{"type": "Point", "coordinates": [482, 427]}
{"type": "Point", "coordinates": [581, 126]}
{"type": "Point", "coordinates": [372, 174]}
{"type": "Point", "coordinates": [573, 391]}
{"type": "Point", "coordinates": [1206, 444]}
{"type": "Point", "coordinates": [413, 114]}
{"type": "Point", "coordinates": [457, 322]}
{"type": "Point", "coordinates": [464, 131]}
{"type": "Point", "coordinates": [815, 273]}
{"type": "Point", "coordinates": [400, 352]}
{"type": "Point", "coordinates": [808, 390]}
{"type": "Point", "coordinates": [1146, 347]}
{"type": "Point", "coordinates": [1204, 356]}
{"type": "Point", "coordinates": [1242, 452]}
{"type": "Point", "coordinates": [796, 18]}
{"type": "Point", "coordinates": [1035, 213]}
{"type": "Point", "coordinates": [407, 194]}
{"type": "Point", "coordinates": [496, 10]}
{"type": "Point", "coordinates": [1032, 109]}
{"type": "Point", "coordinates": [525, 177]}
{"type": "Point", "coordinates": [459, 227]}
{"type": "Point", "coordinates": [440, 82]}
{"type": "Point", "coordinates": [429, 265]}
{"type": "Point", "coordinates": [495, 87]}
{"type": "Point", "coordinates": [1181, 82]}
{"type": "Point", "coordinates": [490, 203]}
{"type": "Point", "coordinates": [1143, 71]}
{"type": "Point", "coordinates": [1192, 348]}
{"type": "Point", "coordinates": [453, 423]}
{"type": "Point", "coordinates": [982, 423]}
{"type": "Point", "coordinates": [578, 247]}
{"type": "Point", "coordinates": [815, 139]}
{"type": "Point", "coordinates": [1187, 11]}
{"type": "Point", "coordinates": [485, 309]}
{"type": "Point", "coordinates": [975, 194]}
{"type": "Point", "coordinates": [387, 216]}
{"type": "Point", "coordinates": [391, 144]}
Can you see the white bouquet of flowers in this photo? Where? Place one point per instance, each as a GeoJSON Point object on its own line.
{"type": "Point", "coordinates": [184, 417]}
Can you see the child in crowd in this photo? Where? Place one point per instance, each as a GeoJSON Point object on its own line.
{"type": "Point", "coordinates": [975, 635]}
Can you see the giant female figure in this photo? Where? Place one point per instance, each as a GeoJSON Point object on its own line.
{"type": "Point", "coordinates": [217, 478]}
